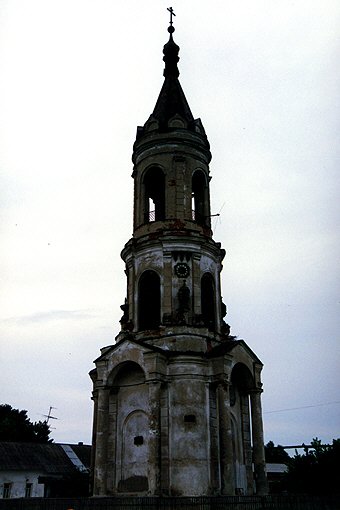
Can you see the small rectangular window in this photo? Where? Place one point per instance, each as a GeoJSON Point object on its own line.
{"type": "Point", "coordinates": [190, 418]}
{"type": "Point", "coordinates": [28, 490]}
{"type": "Point", "coordinates": [7, 490]}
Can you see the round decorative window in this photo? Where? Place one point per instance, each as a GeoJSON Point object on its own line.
{"type": "Point", "coordinates": [182, 270]}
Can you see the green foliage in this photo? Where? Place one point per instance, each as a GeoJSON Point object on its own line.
{"type": "Point", "coordinates": [316, 471]}
{"type": "Point", "coordinates": [16, 426]}
{"type": "Point", "coordinates": [275, 453]}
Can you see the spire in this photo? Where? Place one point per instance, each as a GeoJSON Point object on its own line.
{"type": "Point", "coordinates": [171, 100]}
{"type": "Point", "coordinates": [172, 110]}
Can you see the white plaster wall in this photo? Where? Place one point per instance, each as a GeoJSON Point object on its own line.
{"type": "Point", "coordinates": [19, 480]}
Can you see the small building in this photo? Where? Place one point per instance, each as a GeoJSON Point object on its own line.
{"type": "Point", "coordinates": [30, 470]}
{"type": "Point", "coordinates": [275, 475]}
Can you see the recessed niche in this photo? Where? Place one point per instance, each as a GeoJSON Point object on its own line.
{"type": "Point", "coordinates": [138, 440]}
{"type": "Point", "coordinates": [189, 418]}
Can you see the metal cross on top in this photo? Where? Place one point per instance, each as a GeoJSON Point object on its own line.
{"type": "Point", "coordinates": [170, 9]}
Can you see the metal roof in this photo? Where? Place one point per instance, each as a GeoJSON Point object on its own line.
{"type": "Point", "coordinates": [49, 458]}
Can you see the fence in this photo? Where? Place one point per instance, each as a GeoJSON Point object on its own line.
{"type": "Point", "coordinates": [275, 502]}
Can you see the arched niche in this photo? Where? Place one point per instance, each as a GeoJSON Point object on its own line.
{"type": "Point", "coordinates": [200, 198]}
{"type": "Point", "coordinates": [153, 195]}
{"type": "Point", "coordinates": [128, 436]}
{"type": "Point", "coordinates": [149, 301]}
{"type": "Point", "coordinates": [208, 305]}
{"type": "Point", "coordinates": [135, 452]}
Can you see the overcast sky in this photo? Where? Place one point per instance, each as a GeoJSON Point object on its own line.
{"type": "Point", "coordinates": [77, 77]}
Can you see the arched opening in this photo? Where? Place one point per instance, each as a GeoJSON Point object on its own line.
{"type": "Point", "coordinates": [242, 382]}
{"type": "Point", "coordinates": [154, 195]}
{"type": "Point", "coordinates": [199, 198]}
{"type": "Point", "coordinates": [208, 301]}
{"type": "Point", "coordinates": [149, 301]}
{"type": "Point", "coordinates": [126, 374]}
{"type": "Point", "coordinates": [242, 378]}
{"type": "Point", "coordinates": [128, 438]}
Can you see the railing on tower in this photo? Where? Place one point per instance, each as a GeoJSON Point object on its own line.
{"type": "Point", "coordinates": [198, 217]}
{"type": "Point", "coordinates": [150, 216]}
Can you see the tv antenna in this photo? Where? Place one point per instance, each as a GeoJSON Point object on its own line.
{"type": "Point", "coordinates": [49, 416]}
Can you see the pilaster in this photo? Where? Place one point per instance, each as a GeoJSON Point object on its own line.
{"type": "Point", "coordinates": [154, 467]}
{"type": "Point", "coordinates": [101, 442]}
{"type": "Point", "coordinates": [112, 442]}
{"type": "Point", "coordinates": [167, 285]}
{"type": "Point", "coordinates": [196, 283]}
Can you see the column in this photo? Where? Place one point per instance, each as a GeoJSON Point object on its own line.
{"type": "Point", "coordinates": [154, 438]}
{"type": "Point", "coordinates": [111, 456]}
{"type": "Point", "coordinates": [258, 443]}
{"type": "Point", "coordinates": [226, 442]}
{"type": "Point", "coordinates": [196, 284]}
{"type": "Point", "coordinates": [130, 274]}
{"type": "Point", "coordinates": [101, 442]}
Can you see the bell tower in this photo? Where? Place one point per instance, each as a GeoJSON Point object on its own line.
{"type": "Point", "coordinates": [172, 263]}
{"type": "Point", "coordinates": [175, 395]}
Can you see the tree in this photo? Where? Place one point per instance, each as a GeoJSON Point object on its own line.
{"type": "Point", "coordinates": [275, 454]}
{"type": "Point", "coordinates": [316, 471]}
{"type": "Point", "coordinates": [16, 426]}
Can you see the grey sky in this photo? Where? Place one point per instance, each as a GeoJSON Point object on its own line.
{"type": "Point", "coordinates": [77, 79]}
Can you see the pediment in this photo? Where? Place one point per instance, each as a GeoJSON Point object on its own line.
{"type": "Point", "coordinates": [177, 121]}
{"type": "Point", "coordinates": [123, 346]}
{"type": "Point", "coordinates": [151, 124]}
{"type": "Point", "coordinates": [242, 350]}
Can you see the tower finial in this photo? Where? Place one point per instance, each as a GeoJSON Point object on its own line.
{"type": "Point", "coordinates": [171, 29]}
{"type": "Point", "coordinates": [170, 51]}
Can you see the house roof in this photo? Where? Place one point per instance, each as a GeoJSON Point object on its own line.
{"type": "Point", "coordinates": [83, 453]}
{"type": "Point", "coordinates": [49, 458]}
{"type": "Point", "coordinates": [273, 467]}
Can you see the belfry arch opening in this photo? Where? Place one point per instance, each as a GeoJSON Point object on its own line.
{"type": "Point", "coordinates": [208, 301]}
{"type": "Point", "coordinates": [242, 378]}
{"type": "Point", "coordinates": [154, 195]}
{"type": "Point", "coordinates": [200, 206]}
{"type": "Point", "coordinates": [149, 301]}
